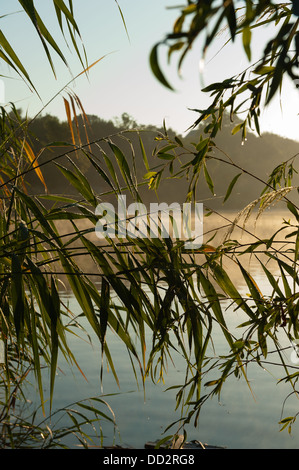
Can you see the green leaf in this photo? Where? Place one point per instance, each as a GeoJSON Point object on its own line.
{"type": "Point", "coordinates": [293, 210]}
{"type": "Point", "coordinates": [14, 60]}
{"type": "Point", "coordinates": [208, 179]}
{"type": "Point", "coordinates": [198, 159]}
{"type": "Point", "coordinates": [121, 290]}
{"type": "Point", "coordinates": [96, 411]}
{"type": "Point", "coordinates": [231, 17]}
{"type": "Point", "coordinates": [167, 148]}
{"type": "Point", "coordinates": [213, 298]}
{"type": "Point", "coordinates": [231, 185]}
{"type": "Point", "coordinates": [123, 165]}
{"type": "Point", "coordinates": [31, 205]}
{"type": "Point", "coordinates": [212, 382]}
{"type": "Point", "coordinates": [80, 290]}
{"type": "Point", "coordinates": [254, 290]}
{"type": "Point", "coordinates": [79, 181]}
{"type": "Point", "coordinates": [190, 9]}
{"type": "Point", "coordinates": [178, 140]}
{"type": "Point", "coordinates": [246, 37]}
{"type": "Point", "coordinates": [150, 174]}
{"type": "Point", "coordinates": [42, 31]}
{"type": "Point", "coordinates": [237, 128]}
{"type": "Point", "coordinates": [203, 145]}
{"type": "Point", "coordinates": [154, 63]}
{"type": "Point", "coordinates": [165, 156]}
{"type": "Point", "coordinates": [53, 197]}
{"type": "Point", "coordinates": [272, 280]}
{"type": "Point", "coordinates": [144, 156]}
{"type": "Point", "coordinates": [264, 70]}
{"type": "Point", "coordinates": [229, 288]}
{"type": "Point", "coordinates": [54, 315]}
{"type": "Point", "coordinates": [104, 306]}
{"type": "Point", "coordinates": [36, 355]}
{"type": "Point", "coordinates": [101, 172]}
{"type": "Point", "coordinates": [62, 7]}
{"type": "Point", "coordinates": [288, 291]}
{"type": "Point", "coordinates": [111, 170]}
{"type": "Point", "coordinates": [218, 86]}
{"type": "Point", "coordinates": [17, 295]}
{"type": "Point", "coordinates": [123, 19]}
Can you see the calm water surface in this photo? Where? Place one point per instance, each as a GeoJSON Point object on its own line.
{"type": "Point", "coordinates": [239, 420]}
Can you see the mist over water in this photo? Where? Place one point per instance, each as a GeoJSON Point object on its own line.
{"type": "Point", "coordinates": [244, 418]}
{"type": "Point", "coordinates": [216, 229]}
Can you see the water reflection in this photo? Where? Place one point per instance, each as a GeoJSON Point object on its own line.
{"type": "Point", "coordinates": [241, 420]}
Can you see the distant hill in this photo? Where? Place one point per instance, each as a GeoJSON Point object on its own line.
{"type": "Point", "coordinates": [258, 155]}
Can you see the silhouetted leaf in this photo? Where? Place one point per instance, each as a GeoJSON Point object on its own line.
{"type": "Point", "coordinates": [231, 186]}
{"type": "Point", "coordinates": [154, 63]}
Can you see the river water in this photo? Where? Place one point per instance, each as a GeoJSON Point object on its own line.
{"type": "Point", "coordinates": [241, 419]}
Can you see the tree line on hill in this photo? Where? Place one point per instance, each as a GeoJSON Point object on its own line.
{"type": "Point", "coordinates": [256, 156]}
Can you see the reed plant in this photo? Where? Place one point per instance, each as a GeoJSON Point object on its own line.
{"type": "Point", "coordinates": [150, 287]}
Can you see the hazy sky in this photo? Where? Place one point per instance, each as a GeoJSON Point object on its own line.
{"type": "Point", "coordinates": [122, 81]}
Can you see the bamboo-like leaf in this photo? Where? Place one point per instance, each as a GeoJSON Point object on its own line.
{"type": "Point", "coordinates": [143, 153]}
{"type": "Point", "coordinates": [293, 209]}
{"type": "Point", "coordinates": [165, 156]}
{"type": "Point", "coordinates": [101, 172]}
{"type": "Point", "coordinates": [123, 19]}
{"type": "Point", "coordinates": [36, 355]}
{"type": "Point", "coordinates": [289, 269]}
{"type": "Point", "coordinates": [254, 290]}
{"type": "Point", "coordinates": [86, 189]}
{"type": "Point", "coordinates": [208, 179]}
{"type": "Point", "coordinates": [123, 166]}
{"type": "Point", "coordinates": [44, 33]}
{"type": "Point", "coordinates": [154, 63]}
{"type": "Point", "coordinates": [246, 37]}
{"type": "Point", "coordinates": [39, 216]}
{"type": "Point", "coordinates": [105, 296]}
{"type": "Point", "coordinates": [28, 6]}
{"type": "Point", "coordinates": [79, 181]}
{"type": "Point", "coordinates": [111, 170]}
{"type": "Point", "coordinates": [54, 315]}
{"type": "Point", "coordinates": [237, 128]}
{"type": "Point", "coordinates": [96, 411]}
{"type": "Point", "coordinates": [75, 45]}
{"type": "Point", "coordinates": [81, 293]}
{"type": "Point", "coordinates": [47, 311]}
{"type": "Point", "coordinates": [231, 17]}
{"type": "Point", "coordinates": [86, 69]}
{"type": "Point", "coordinates": [57, 198]}
{"type": "Point", "coordinates": [272, 280]}
{"type": "Point", "coordinates": [213, 298]}
{"type": "Point", "coordinates": [18, 296]}
{"type": "Point", "coordinates": [229, 288]}
{"type": "Point", "coordinates": [63, 8]}
{"type": "Point", "coordinates": [231, 186]}
{"type": "Point", "coordinates": [287, 289]}
{"type": "Point", "coordinates": [13, 59]}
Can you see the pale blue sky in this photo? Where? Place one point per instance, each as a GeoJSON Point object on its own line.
{"type": "Point", "coordinates": [123, 82]}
